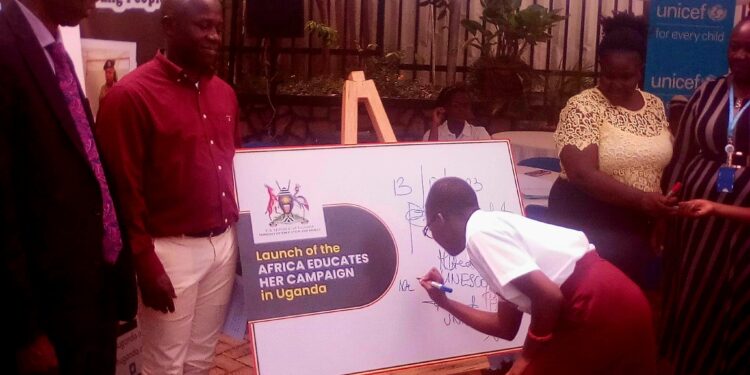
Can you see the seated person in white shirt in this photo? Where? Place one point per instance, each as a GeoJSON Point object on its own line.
{"type": "Point", "coordinates": [587, 317]}
{"type": "Point", "coordinates": [450, 118]}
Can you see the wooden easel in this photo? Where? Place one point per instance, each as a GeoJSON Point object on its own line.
{"type": "Point", "coordinates": [470, 366]}
{"type": "Point", "coordinates": [356, 88]}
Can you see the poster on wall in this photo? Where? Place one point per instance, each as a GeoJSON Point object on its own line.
{"type": "Point", "coordinates": [121, 34]}
{"type": "Point", "coordinates": [104, 62]}
{"type": "Point", "coordinates": [696, 30]}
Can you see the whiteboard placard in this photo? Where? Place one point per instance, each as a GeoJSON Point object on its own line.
{"type": "Point", "coordinates": [344, 298]}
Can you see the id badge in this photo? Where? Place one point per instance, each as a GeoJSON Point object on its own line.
{"type": "Point", "coordinates": [725, 179]}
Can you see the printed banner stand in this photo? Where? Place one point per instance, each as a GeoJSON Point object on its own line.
{"type": "Point", "coordinates": [331, 244]}
{"type": "Point", "coordinates": [687, 44]}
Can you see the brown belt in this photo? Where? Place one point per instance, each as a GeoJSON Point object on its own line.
{"type": "Point", "coordinates": [210, 232]}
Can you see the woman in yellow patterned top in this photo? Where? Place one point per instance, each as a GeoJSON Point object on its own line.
{"type": "Point", "coordinates": [614, 142]}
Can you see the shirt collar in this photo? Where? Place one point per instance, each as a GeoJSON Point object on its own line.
{"type": "Point", "coordinates": [447, 130]}
{"type": "Point", "coordinates": [43, 35]}
{"type": "Point", "coordinates": [176, 72]}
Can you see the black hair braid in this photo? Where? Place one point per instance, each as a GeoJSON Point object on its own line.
{"type": "Point", "coordinates": [624, 31]}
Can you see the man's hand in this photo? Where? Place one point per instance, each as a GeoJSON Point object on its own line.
{"type": "Point", "coordinates": [157, 291]}
{"type": "Point", "coordinates": [436, 295]}
{"type": "Point", "coordinates": [38, 357]}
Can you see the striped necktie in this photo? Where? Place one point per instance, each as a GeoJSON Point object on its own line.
{"type": "Point", "coordinates": [112, 242]}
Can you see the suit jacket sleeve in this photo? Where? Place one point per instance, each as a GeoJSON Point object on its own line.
{"type": "Point", "coordinates": [21, 305]}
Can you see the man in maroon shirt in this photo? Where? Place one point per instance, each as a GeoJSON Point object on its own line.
{"type": "Point", "coordinates": [167, 131]}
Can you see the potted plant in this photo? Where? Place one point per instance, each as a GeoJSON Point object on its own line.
{"type": "Point", "coordinates": [328, 36]}
{"type": "Point", "coordinates": [559, 89]}
{"type": "Point", "coordinates": [502, 35]}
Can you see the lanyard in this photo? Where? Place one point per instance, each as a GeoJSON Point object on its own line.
{"type": "Point", "coordinates": [732, 124]}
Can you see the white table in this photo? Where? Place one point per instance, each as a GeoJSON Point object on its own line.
{"type": "Point", "coordinates": [534, 186]}
{"type": "Point", "coordinates": [529, 144]}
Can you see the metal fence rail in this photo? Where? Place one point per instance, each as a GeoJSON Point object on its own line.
{"type": "Point", "coordinates": [419, 34]}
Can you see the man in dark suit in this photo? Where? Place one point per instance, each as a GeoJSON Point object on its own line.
{"type": "Point", "coordinates": [66, 276]}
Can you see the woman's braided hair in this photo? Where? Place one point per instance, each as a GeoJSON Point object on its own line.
{"type": "Point", "coordinates": [624, 31]}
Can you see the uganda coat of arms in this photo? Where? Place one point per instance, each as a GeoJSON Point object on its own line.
{"type": "Point", "coordinates": [284, 204]}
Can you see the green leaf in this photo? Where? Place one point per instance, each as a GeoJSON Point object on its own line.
{"type": "Point", "coordinates": [472, 26]}
{"type": "Point", "coordinates": [491, 13]}
{"type": "Point", "coordinates": [536, 8]}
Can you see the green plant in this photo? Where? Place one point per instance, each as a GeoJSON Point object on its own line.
{"type": "Point", "coordinates": [326, 85]}
{"type": "Point", "coordinates": [327, 35]}
{"type": "Point", "coordinates": [385, 71]}
{"type": "Point", "coordinates": [509, 29]}
{"type": "Point", "coordinates": [560, 88]}
{"type": "Point", "coordinates": [502, 35]}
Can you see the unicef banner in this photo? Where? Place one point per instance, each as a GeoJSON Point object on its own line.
{"type": "Point", "coordinates": [687, 44]}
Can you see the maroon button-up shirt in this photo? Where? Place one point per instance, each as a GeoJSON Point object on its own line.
{"type": "Point", "coordinates": [168, 144]}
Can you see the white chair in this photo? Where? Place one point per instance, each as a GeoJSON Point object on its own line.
{"type": "Point", "coordinates": [529, 144]}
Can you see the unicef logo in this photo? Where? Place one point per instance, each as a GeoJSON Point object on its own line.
{"type": "Point", "coordinates": [717, 13]}
{"type": "Point", "coordinates": [714, 12]}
